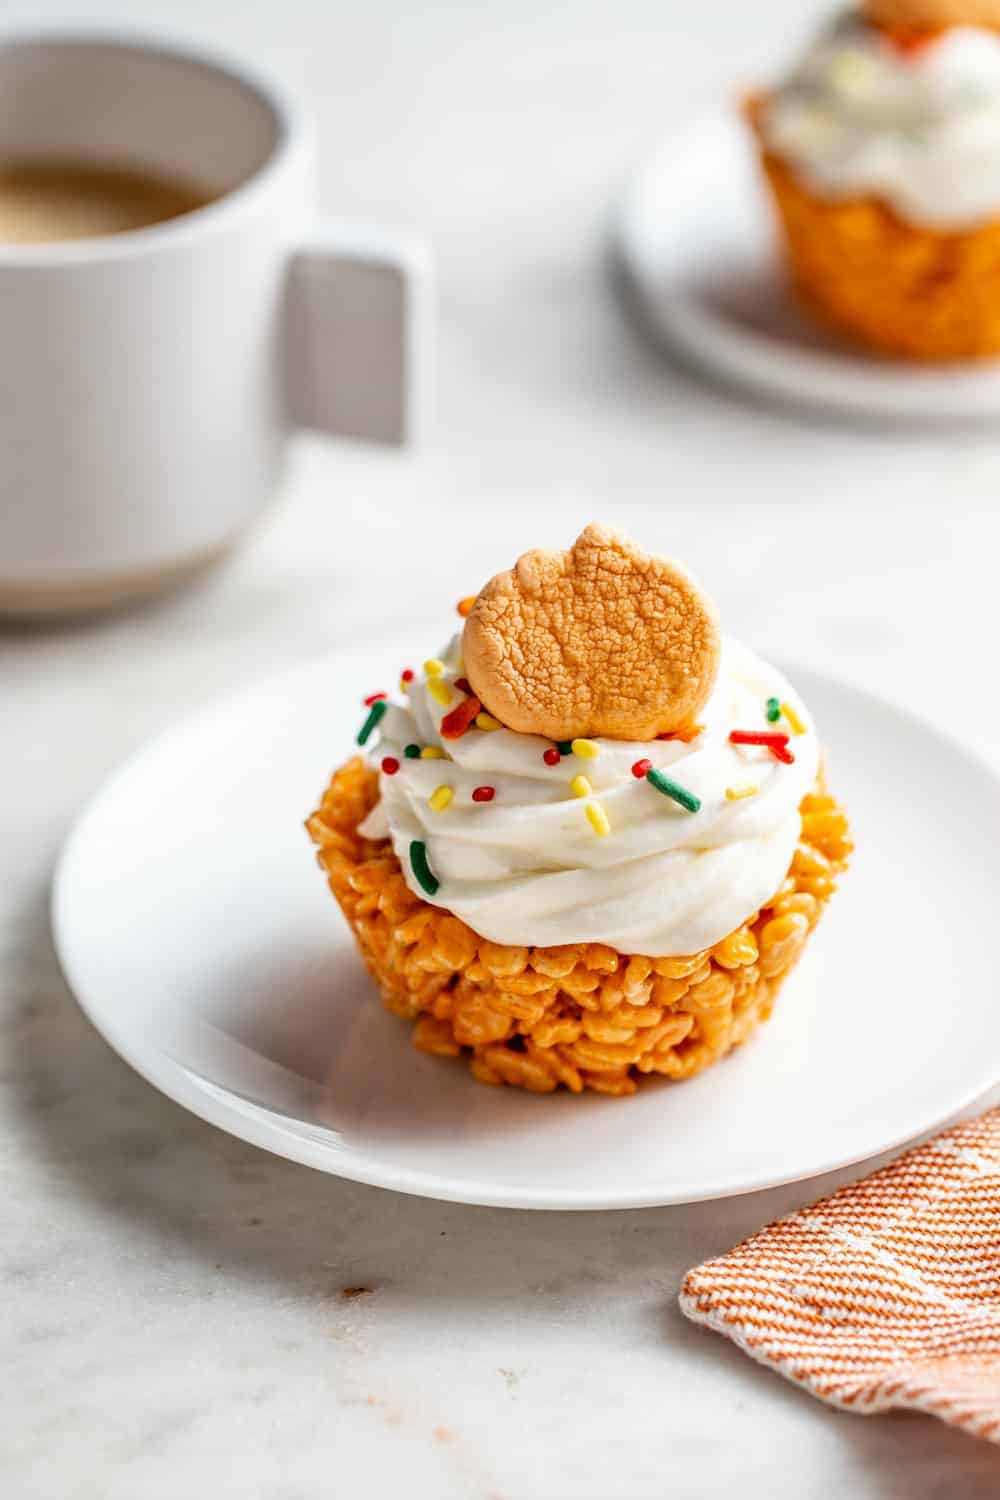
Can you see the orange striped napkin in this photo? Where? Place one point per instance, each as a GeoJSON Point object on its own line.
{"type": "Point", "coordinates": [885, 1295]}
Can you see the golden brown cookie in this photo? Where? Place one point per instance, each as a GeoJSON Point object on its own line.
{"type": "Point", "coordinates": [909, 16]}
{"type": "Point", "coordinates": [600, 640]}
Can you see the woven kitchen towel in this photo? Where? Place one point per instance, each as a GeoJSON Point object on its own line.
{"type": "Point", "coordinates": [886, 1294]}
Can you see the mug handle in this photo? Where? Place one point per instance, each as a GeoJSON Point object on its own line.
{"type": "Point", "coordinates": [357, 334]}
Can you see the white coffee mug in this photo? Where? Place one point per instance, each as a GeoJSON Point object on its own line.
{"type": "Point", "coordinates": [149, 380]}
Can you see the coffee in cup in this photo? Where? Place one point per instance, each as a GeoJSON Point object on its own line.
{"type": "Point", "coordinates": [44, 201]}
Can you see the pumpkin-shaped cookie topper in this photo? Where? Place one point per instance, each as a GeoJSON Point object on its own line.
{"type": "Point", "coordinates": [908, 17]}
{"type": "Point", "coordinates": [601, 640]}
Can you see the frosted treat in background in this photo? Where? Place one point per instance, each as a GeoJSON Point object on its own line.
{"type": "Point", "coordinates": [882, 149]}
{"type": "Point", "coordinates": [581, 911]}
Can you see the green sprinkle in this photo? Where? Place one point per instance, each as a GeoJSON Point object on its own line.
{"type": "Point", "coordinates": [565, 747]}
{"type": "Point", "coordinates": [374, 715]}
{"type": "Point", "coordinates": [671, 789]}
{"type": "Point", "coordinates": [418, 859]}
{"type": "Point", "coordinates": [412, 752]}
{"type": "Point", "coordinates": [773, 710]}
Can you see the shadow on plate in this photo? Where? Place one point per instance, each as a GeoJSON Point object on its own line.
{"type": "Point", "coordinates": [307, 1039]}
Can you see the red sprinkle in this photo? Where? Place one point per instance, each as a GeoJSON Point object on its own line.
{"type": "Point", "coordinates": [463, 684]}
{"type": "Point", "coordinates": [551, 757]}
{"type": "Point", "coordinates": [374, 698]}
{"type": "Point", "coordinates": [776, 743]}
{"type": "Point", "coordinates": [640, 768]}
{"type": "Point", "coordinates": [484, 793]}
{"type": "Point", "coordinates": [911, 43]}
{"type": "Point", "coordinates": [390, 765]}
{"type": "Point", "coordinates": [757, 737]}
{"type": "Point", "coordinates": [407, 674]}
{"type": "Point", "coordinates": [455, 724]}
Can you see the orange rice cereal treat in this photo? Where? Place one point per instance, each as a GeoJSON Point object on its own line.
{"type": "Point", "coordinates": [882, 152]}
{"type": "Point", "coordinates": [581, 912]}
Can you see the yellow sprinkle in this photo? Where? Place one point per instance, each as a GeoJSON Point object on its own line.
{"type": "Point", "coordinates": [439, 690]}
{"type": "Point", "coordinates": [581, 787]}
{"type": "Point", "coordinates": [797, 726]}
{"type": "Point", "coordinates": [598, 819]}
{"type": "Point", "coordinates": [487, 721]}
{"type": "Point", "coordinates": [586, 749]}
{"type": "Point", "coordinates": [440, 798]}
{"type": "Point", "coordinates": [432, 752]}
{"type": "Point", "coordinates": [404, 686]}
{"type": "Point", "coordinates": [850, 71]}
{"type": "Point", "coordinates": [744, 789]}
{"type": "Point", "coordinates": [433, 667]}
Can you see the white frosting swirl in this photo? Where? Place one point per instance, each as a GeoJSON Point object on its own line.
{"type": "Point", "coordinates": [528, 868]}
{"type": "Point", "coordinates": [919, 128]}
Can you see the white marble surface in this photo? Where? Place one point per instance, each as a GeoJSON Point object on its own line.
{"type": "Point", "coordinates": [175, 1319]}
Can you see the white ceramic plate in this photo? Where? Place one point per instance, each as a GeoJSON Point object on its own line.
{"type": "Point", "coordinates": [199, 937]}
{"type": "Point", "coordinates": [697, 244]}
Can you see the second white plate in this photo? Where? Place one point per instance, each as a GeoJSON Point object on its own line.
{"type": "Point", "coordinates": [697, 244]}
{"type": "Point", "coordinates": [199, 937]}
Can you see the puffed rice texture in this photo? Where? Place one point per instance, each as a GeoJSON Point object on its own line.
{"type": "Point", "coordinates": [580, 1016]}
